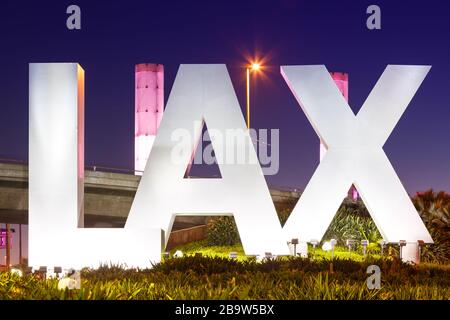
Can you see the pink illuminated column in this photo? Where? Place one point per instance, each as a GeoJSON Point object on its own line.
{"type": "Point", "coordinates": [149, 106]}
{"type": "Point", "coordinates": [341, 80]}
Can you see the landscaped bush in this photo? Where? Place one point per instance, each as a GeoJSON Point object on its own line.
{"type": "Point", "coordinates": [434, 209]}
{"type": "Point", "coordinates": [353, 221]}
{"type": "Point", "coordinates": [222, 231]}
{"type": "Point", "coordinates": [283, 215]}
{"type": "Point", "coordinates": [349, 224]}
{"type": "Point", "coordinates": [216, 278]}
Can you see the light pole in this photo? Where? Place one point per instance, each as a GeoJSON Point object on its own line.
{"type": "Point", "coordinates": [253, 67]}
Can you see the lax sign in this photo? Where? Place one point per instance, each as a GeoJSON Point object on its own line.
{"type": "Point", "coordinates": [204, 94]}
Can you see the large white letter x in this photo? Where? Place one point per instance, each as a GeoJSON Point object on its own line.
{"type": "Point", "coordinates": [355, 153]}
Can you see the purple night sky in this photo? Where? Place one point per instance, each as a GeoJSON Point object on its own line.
{"type": "Point", "coordinates": [115, 37]}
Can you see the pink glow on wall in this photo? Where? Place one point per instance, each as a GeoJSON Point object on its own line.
{"type": "Point", "coordinates": [149, 107]}
{"type": "Point", "coordinates": [80, 146]}
{"type": "Point", "coordinates": [3, 239]}
{"type": "Point", "coordinates": [354, 193]}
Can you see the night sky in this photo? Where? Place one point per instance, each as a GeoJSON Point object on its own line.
{"type": "Point", "coordinates": [116, 36]}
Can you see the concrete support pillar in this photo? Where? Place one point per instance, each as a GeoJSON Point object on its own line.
{"type": "Point", "coordinates": [149, 107]}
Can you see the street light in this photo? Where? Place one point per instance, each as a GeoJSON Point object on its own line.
{"type": "Point", "coordinates": [254, 67]}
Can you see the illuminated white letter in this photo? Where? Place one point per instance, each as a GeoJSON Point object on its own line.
{"type": "Point", "coordinates": [355, 153]}
{"type": "Point", "coordinates": [56, 177]}
{"type": "Point", "coordinates": [205, 92]}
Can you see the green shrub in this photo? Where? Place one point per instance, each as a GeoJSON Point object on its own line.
{"type": "Point", "coordinates": [353, 221]}
{"type": "Point", "coordinates": [434, 209]}
{"type": "Point", "coordinates": [218, 278]}
{"type": "Point", "coordinates": [222, 231]}
{"type": "Point", "coordinates": [283, 215]}
{"type": "Point", "coordinates": [349, 224]}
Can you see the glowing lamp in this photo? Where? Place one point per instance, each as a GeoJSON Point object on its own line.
{"type": "Point", "coordinates": [178, 254]}
{"type": "Point", "coordinates": [326, 246]}
{"type": "Point", "coordinates": [255, 66]}
{"type": "Point", "coordinates": [365, 243]}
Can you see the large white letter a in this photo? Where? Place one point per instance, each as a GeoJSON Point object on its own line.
{"type": "Point", "coordinates": [204, 93]}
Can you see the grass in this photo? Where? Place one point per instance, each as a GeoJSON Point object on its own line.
{"type": "Point", "coordinates": [215, 276]}
{"type": "Point", "coordinates": [220, 278]}
{"type": "Point", "coordinates": [224, 252]}
{"type": "Point", "coordinates": [211, 251]}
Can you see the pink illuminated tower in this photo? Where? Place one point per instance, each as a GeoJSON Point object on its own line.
{"type": "Point", "coordinates": [341, 80]}
{"type": "Point", "coordinates": [149, 107]}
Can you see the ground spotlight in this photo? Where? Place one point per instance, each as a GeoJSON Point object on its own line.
{"type": "Point", "coordinates": [314, 243]}
{"type": "Point", "coordinates": [57, 271]}
{"type": "Point", "coordinates": [233, 255]}
{"type": "Point", "coordinates": [326, 246]}
{"type": "Point", "coordinates": [268, 255]}
{"type": "Point", "coordinates": [333, 243]}
{"type": "Point", "coordinates": [17, 272]}
{"type": "Point", "coordinates": [382, 243]}
{"type": "Point", "coordinates": [329, 246]}
{"type": "Point", "coordinates": [364, 244]}
{"type": "Point", "coordinates": [28, 270]}
{"type": "Point", "coordinates": [401, 243]}
{"type": "Point", "coordinates": [178, 254]}
{"type": "Point", "coordinates": [350, 243]}
{"type": "Point", "coordinates": [295, 243]}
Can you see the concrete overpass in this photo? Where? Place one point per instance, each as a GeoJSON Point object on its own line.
{"type": "Point", "coordinates": [108, 197]}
